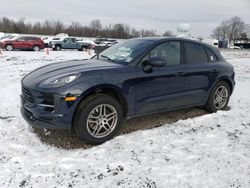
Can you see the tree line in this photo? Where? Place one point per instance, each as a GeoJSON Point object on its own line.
{"type": "Point", "coordinates": [232, 30]}
{"type": "Point", "coordinates": [94, 29]}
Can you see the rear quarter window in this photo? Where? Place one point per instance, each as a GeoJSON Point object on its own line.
{"type": "Point", "coordinates": [211, 56]}
{"type": "Point", "coordinates": [195, 53]}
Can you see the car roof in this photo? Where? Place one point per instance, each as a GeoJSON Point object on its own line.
{"type": "Point", "coordinates": [159, 39]}
{"type": "Point", "coordinates": [162, 39]}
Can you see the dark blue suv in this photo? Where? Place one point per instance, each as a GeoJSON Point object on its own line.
{"type": "Point", "coordinates": [136, 77]}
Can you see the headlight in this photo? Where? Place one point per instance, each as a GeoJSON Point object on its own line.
{"type": "Point", "coordinates": [59, 81]}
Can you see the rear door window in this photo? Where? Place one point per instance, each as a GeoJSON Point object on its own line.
{"type": "Point", "coordinates": [21, 39]}
{"type": "Point", "coordinates": [195, 53]}
{"type": "Point", "coordinates": [30, 38]}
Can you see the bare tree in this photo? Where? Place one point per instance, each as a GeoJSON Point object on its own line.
{"type": "Point", "coordinates": [236, 28]}
{"type": "Point", "coordinates": [96, 27]}
{"type": "Point", "coordinates": [230, 30]}
{"type": "Point", "coordinates": [135, 33]}
{"type": "Point", "coordinates": [58, 27]}
{"type": "Point", "coordinates": [168, 34]}
{"type": "Point", "coordinates": [37, 28]}
{"type": "Point", "coordinates": [221, 31]}
{"type": "Point", "coordinates": [148, 33]}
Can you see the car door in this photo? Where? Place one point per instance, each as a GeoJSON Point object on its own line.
{"type": "Point", "coordinates": [69, 44]}
{"type": "Point", "coordinates": [201, 70]}
{"type": "Point", "coordinates": [73, 43]}
{"type": "Point", "coordinates": [162, 88]}
{"type": "Point", "coordinates": [65, 43]}
{"type": "Point", "coordinates": [29, 42]}
{"type": "Point", "coordinates": [19, 43]}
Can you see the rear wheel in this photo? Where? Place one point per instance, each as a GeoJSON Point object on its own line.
{"type": "Point", "coordinates": [219, 97]}
{"type": "Point", "coordinates": [98, 118]}
{"type": "Point", "coordinates": [9, 47]}
{"type": "Point", "coordinates": [36, 48]}
{"type": "Point", "coordinates": [83, 48]}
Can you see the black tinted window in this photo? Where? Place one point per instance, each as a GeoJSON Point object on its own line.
{"type": "Point", "coordinates": [21, 39]}
{"type": "Point", "coordinates": [195, 53]}
{"type": "Point", "coordinates": [169, 51]}
{"type": "Point", "coordinates": [211, 56]}
{"type": "Point", "coordinates": [30, 38]}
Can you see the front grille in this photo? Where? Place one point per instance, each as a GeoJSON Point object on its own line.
{"type": "Point", "coordinates": [27, 95]}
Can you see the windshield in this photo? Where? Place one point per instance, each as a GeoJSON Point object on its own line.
{"type": "Point", "coordinates": [125, 52]}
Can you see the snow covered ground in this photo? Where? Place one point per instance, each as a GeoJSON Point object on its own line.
{"type": "Point", "coordinates": [211, 150]}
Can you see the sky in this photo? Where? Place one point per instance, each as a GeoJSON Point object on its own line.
{"type": "Point", "coordinates": [160, 15]}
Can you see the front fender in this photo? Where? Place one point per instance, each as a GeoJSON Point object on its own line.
{"type": "Point", "coordinates": [98, 88]}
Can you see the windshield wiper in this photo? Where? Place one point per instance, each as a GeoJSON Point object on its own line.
{"type": "Point", "coordinates": [108, 58]}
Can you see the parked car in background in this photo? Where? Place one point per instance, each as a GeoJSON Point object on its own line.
{"type": "Point", "coordinates": [90, 42]}
{"type": "Point", "coordinates": [133, 78]}
{"type": "Point", "coordinates": [213, 42]}
{"type": "Point", "coordinates": [68, 43]}
{"type": "Point", "coordinates": [243, 45]}
{"type": "Point", "coordinates": [46, 41]}
{"type": "Point", "coordinates": [234, 47]}
{"type": "Point", "coordinates": [105, 42]}
{"type": "Point", "coordinates": [23, 43]}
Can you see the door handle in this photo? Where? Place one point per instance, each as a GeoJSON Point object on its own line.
{"type": "Point", "coordinates": [179, 74]}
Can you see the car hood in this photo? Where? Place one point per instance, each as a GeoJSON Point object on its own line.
{"type": "Point", "coordinates": [65, 68]}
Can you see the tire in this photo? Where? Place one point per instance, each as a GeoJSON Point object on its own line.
{"type": "Point", "coordinates": [218, 101]}
{"type": "Point", "coordinates": [95, 125]}
{"type": "Point", "coordinates": [36, 48]}
{"type": "Point", "coordinates": [83, 48]}
{"type": "Point", "coordinates": [58, 48]}
{"type": "Point", "coordinates": [9, 47]}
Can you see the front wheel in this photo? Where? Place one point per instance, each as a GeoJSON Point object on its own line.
{"type": "Point", "coordinates": [219, 97]}
{"type": "Point", "coordinates": [98, 118]}
{"type": "Point", "coordinates": [58, 47]}
{"type": "Point", "coordinates": [9, 47]}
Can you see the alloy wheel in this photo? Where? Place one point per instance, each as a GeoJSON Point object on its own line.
{"type": "Point", "coordinates": [9, 47]}
{"type": "Point", "coordinates": [36, 48]}
{"type": "Point", "coordinates": [102, 120]}
{"type": "Point", "coordinates": [220, 97]}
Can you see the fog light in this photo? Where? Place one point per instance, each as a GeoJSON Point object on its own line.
{"type": "Point", "coordinates": [69, 99]}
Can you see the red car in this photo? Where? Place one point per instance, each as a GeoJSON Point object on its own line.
{"type": "Point", "coordinates": [23, 43]}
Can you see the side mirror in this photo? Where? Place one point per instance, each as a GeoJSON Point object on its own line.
{"type": "Point", "coordinates": [157, 62]}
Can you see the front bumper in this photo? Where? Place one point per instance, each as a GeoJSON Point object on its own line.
{"type": "Point", "coordinates": [45, 110]}
{"type": "Point", "coordinates": [49, 121]}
